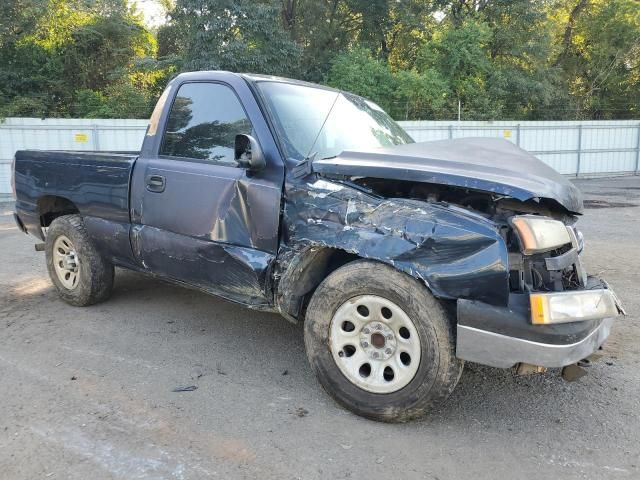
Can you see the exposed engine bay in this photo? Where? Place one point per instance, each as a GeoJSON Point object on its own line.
{"type": "Point", "coordinates": [494, 206]}
{"type": "Point", "coordinates": [558, 269]}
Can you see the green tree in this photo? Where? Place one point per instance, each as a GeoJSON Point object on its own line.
{"type": "Point", "coordinates": [460, 55]}
{"type": "Point", "coordinates": [390, 29]}
{"type": "Point", "coordinates": [522, 83]}
{"type": "Point", "coordinates": [404, 94]}
{"type": "Point", "coordinates": [518, 59]}
{"type": "Point", "coordinates": [600, 57]}
{"type": "Point", "coordinates": [27, 71]}
{"type": "Point", "coordinates": [104, 50]}
{"type": "Point", "coordinates": [236, 35]}
{"type": "Point", "coordinates": [358, 72]}
{"type": "Point", "coordinates": [422, 95]}
{"type": "Point", "coordinates": [51, 49]}
{"type": "Point", "coordinates": [119, 100]}
{"type": "Point", "coordinates": [322, 29]}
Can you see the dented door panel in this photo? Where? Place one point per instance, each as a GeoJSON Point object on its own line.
{"type": "Point", "coordinates": [212, 227]}
{"type": "Point", "coordinates": [233, 272]}
{"type": "Point", "coordinates": [219, 220]}
{"type": "Point", "coordinates": [211, 202]}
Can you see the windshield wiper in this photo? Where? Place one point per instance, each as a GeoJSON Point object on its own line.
{"type": "Point", "coordinates": [305, 167]}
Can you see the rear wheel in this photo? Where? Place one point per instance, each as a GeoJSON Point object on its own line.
{"type": "Point", "coordinates": [79, 272]}
{"type": "Point", "coordinates": [380, 343]}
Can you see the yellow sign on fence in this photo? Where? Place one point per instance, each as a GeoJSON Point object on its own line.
{"type": "Point", "coordinates": [81, 137]}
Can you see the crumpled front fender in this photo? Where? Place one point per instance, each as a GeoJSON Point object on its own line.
{"type": "Point", "coordinates": [456, 253]}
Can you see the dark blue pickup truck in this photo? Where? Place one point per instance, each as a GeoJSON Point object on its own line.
{"type": "Point", "coordinates": [403, 259]}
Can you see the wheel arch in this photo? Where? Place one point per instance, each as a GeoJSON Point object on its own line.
{"type": "Point", "coordinates": [51, 207]}
{"type": "Point", "coordinates": [301, 271]}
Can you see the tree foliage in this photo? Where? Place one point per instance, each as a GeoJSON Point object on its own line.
{"type": "Point", "coordinates": [497, 59]}
{"type": "Point", "coordinates": [236, 35]}
{"type": "Point", "coordinates": [71, 57]}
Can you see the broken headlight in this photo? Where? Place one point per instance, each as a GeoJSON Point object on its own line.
{"type": "Point", "coordinates": [539, 234]}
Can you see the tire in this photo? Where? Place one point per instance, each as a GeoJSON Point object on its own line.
{"type": "Point", "coordinates": [68, 244]}
{"type": "Point", "coordinates": [418, 388]}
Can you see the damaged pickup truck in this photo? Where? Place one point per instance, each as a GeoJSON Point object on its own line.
{"type": "Point", "coordinates": [403, 259]}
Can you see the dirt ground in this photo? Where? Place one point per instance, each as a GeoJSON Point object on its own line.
{"type": "Point", "coordinates": [87, 392]}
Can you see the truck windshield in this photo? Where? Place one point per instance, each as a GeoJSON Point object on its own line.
{"type": "Point", "coordinates": [324, 123]}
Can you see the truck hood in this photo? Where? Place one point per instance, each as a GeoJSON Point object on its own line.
{"type": "Point", "coordinates": [487, 164]}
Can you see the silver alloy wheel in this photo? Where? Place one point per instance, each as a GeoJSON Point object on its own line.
{"type": "Point", "coordinates": [375, 344]}
{"type": "Point", "coordinates": [65, 262]}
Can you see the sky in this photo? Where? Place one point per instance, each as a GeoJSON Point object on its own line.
{"type": "Point", "coordinates": [152, 11]}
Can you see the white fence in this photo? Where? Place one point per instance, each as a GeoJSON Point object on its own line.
{"type": "Point", "coordinates": [577, 148]}
{"type": "Point", "coordinates": [573, 148]}
{"type": "Point", "coordinates": [64, 134]}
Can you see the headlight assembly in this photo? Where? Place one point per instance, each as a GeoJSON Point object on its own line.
{"type": "Point", "coordinates": [539, 234]}
{"type": "Point", "coordinates": [572, 306]}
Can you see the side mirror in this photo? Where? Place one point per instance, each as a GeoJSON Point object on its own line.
{"type": "Point", "coordinates": [248, 153]}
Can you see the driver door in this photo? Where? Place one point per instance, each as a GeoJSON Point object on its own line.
{"type": "Point", "coordinates": [198, 217]}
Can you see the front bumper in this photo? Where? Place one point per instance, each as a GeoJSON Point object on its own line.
{"type": "Point", "coordinates": [496, 350]}
{"type": "Point", "coordinates": [504, 336]}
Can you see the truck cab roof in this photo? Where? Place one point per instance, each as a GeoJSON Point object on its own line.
{"type": "Point", "coordinates": [249, 77]}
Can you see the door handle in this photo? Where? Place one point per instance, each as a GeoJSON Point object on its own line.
{"type": "Point", "coordinates": [156, 183]}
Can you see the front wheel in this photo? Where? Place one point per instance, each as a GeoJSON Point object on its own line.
{"type": "Point", "coordinates": [380, 343]}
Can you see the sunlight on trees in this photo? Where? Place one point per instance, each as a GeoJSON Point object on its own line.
{"type": "Point", "coordinates": [501, 59]}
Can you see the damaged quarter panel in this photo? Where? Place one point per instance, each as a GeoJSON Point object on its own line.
{"type": "Point", "coordinates": [456, 253]}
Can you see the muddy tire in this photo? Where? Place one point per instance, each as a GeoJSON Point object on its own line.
{"type": "Point", "coordinates": [80, 274]}
{"type": "Point", "coordinates": [380, 344]}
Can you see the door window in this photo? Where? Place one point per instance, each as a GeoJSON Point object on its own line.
{"type": "Point", "coordinates": [203, 123]}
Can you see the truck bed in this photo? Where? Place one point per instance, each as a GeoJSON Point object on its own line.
{"type": "Point", "coordinates": [95, 183]}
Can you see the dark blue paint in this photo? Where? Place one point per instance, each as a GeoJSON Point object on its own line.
{"type": "Point", "coordinates": [112, 239]}
{"type": "Point", "coordinates": [236, 273]}
{"type": "Point", "coordinates": [457, 254]}
{"type": "Point", "coordinates": [97, 183]}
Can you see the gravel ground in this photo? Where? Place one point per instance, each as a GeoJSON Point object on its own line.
{"type": "Point", "coordinates": [87, 392]}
